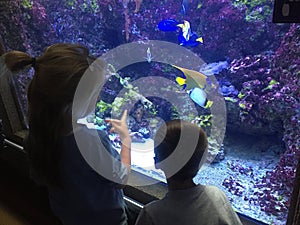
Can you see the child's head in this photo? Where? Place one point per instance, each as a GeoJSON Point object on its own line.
{"type": "Point", "coordinates": [57, 73]}
{"type": "Point", "coordinates": [167, 139]}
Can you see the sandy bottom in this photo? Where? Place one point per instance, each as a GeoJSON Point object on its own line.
{"type": "Point", "coordinates": [239, 153]}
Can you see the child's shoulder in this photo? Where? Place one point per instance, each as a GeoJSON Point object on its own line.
{"type": "Point", "coordinates": [215, 193]}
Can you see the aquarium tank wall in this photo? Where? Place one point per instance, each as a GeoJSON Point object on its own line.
{"type": "Point", "coordinates": [249, 66]}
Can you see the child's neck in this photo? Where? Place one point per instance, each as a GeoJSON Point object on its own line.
{"type": "Point", "coordinates": [174, 185]}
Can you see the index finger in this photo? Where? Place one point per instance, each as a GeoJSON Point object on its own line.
{"type": "Point", "coordinates": [124, 116]}
{"type": "Point", "coordinates": [109, 120]}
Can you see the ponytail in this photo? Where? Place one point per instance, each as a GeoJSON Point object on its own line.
{"type": "Point", "coordinates": [17, 61]}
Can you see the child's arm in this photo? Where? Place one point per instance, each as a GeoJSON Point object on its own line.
{"type": "Point", "coordinates": [120, 127]}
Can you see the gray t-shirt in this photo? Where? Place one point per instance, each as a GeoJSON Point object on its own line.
{"type": "Point", "coordinates": [199, 205]}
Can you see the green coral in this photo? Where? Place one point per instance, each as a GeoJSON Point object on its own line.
{"type": "Point", "coordinates": [131, 95]}
{"type": "Point", "coordinates": [203, 120]}
{"type": "Point", "coordinates": [103, 106]}
{"type": "Point", "coordinates": [133, 92]}
{"type": "Point", "coordinates": [27, 4]}
{"type": "Point", "coordinates": [256, 10]}
{"type": "Point", "coordinates": [91, 6]}
{"type": "Point", "coordinates": [271, 84]}
{"type": "Point", "coordinates": [241, 95]}
{"type": "Point", "coordinates": [70, 3]}
{"type": "Point", "coordinates": [242, 105]}
{"type": "Point", "coordinates": [98, 121]}
{"type": "Point", "coordinates": [230, 99]}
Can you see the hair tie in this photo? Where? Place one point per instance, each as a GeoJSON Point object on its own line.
{"type": "Point", "coordinates": [33, 62]}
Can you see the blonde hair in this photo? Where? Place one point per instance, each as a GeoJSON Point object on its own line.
{"type": "Point", "coordinates": [50, 95]}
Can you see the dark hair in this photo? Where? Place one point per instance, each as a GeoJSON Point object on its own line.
{"type": "Point", "coordinates": [167, 140]}
{"type": "Point", "coordinates": [50, 95]}
{"type": "Point", "coordinates": [2, 47]}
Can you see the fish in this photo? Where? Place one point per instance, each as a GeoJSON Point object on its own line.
{"type": "Point", "coordinates": [199, 97]}
{"type": "Point", "coordinates": [186, 29]}
{"type": "Point", "coordinates": [186, 36]}
{"type": "Point", "coordinates": [193, 41]}
{"type": "Point", "coordinates": [168, 25]}
{"type": "Point", "coordinates": [149, 56]}
{"type": "Point", "coordinates": [185, 6]}
{"type": "Point", "coordinates": [192, 79]}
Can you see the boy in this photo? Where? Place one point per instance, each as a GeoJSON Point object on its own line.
{"type": "Point", "coordinates": [186, 203]}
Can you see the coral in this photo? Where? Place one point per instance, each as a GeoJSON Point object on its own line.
{"type": "Point", "coordinates": [280, 181]}
{"type": "Point", "coordinates": [215, 151]}
{"type": "Point", "coordinates": [228, 35]}
{"type": "Point", "coordinates": [256, 10]}
{"type": "Point", "coordinates": [269, 92]}
{"type": "Point", "coordinates": [26, 4]}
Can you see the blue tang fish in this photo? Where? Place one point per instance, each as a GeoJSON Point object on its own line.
{"type": "Point", "coordinates": [199, 97]}
{"type": "Point", "coordinates": [193, 41]}
{"type": "Point", "coordinates": [187, 37]}
{"type": "Point", "coordinates": [168, 25]}
{"type": "Point", "coordinates": [186, 29]}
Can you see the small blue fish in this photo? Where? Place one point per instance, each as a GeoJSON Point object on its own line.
{"type": "Point", "coordinates": [199, 97]}
{"type": "Point", "coordinates": [168, 25]}
{"type": "Point", "coordinates": [185, 29]}
{"type": "Point", "coordinates": [193, 41]}
{"type": "Point", "coordinates": [186, 36]}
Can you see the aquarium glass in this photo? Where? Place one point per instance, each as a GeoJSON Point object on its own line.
{"type": "Point", "coordinates": [241, 65]}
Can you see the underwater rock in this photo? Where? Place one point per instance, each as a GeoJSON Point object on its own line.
{"type": "Point", "coordinates": [276, 149]}
{"type": "Point", "coordinates": [216, 151]}
{"type": "Point", "coordinates": [139, 125]}
{"type": "Point", "coordinates": [226, 88]}
{"type": "Point", "coordinates": [220, 155]}
{"type": "Point", "coordinates": [214, 68]}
